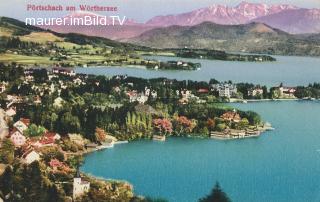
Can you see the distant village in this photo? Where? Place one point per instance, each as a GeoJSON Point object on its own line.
{"type": "Point", "coordinates": [225, 90]}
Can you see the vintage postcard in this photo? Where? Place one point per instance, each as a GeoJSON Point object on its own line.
{"type": "Point", "coordinates": [159, 101]}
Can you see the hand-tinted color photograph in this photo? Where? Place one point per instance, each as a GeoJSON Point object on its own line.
{"type": "Point", "coordinates": [159, 101]}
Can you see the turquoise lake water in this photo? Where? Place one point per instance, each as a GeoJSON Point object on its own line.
{"type": "Point", "coordinates": [280, 166]}
{"type": "Point", "coordinates": [289, 70]}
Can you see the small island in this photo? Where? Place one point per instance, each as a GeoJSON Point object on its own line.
{"type": "Point", "coordinates": [173, 65]}
{"type": "Point", "coordinates": [221, 55]}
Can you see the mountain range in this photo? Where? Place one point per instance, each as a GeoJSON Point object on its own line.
{"type": "Point", "coordinates": [296, 21]}
{"type": "Point", "coordinates": [253, 37]}
{"type": "Point", "coordinates": [285, 17]}
{"type": "Point", "coordinates": [221, 14]}
{"type": "Point", "coordinates": [244, 28]}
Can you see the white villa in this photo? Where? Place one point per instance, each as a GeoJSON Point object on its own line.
{"type": "Point", "coordinates": [287, 91]}
{"type": "Point", "coordinates": [142, 98]}
{"type": "Point", "coordinates": [186, 94]}
{"type": "Point", "coordinates": [18, 138]}
{"type": "Point", "coordinates": [79, 186]}
{"type": "Point", "coordinates": [255, 92]}
{"type": "Point", "coordinates": [31, 156]}
{"type": "Point", "coordinates": [225, 89]}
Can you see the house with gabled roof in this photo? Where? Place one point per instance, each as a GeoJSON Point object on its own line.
{"type": "Point", "coordinates": [80, 186]}
{"type": "Point", "coordinates": [49, 139]}
{"type": "Point", "coordinates": [257, 91]}
{"type": "Point", "coordinates": [52, 135]}
{"type": "Point", "coordinates": [56, 165]}
{"type": "Point", "coordinates": [22, 124]}
{"type": "Point", "coordinates": [17, 138]}
{"type": "Point", "coordinates": [231, 116]}
{"type": "Point", "coordinates": [30, 156]}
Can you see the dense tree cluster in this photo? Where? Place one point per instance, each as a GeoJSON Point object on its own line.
{"type": "Point", "coordinates": [11, 72]}
{"type": "Point", "coordinates": [311, 91]}
{"type": "Point", "coordinates": [7, 151]}
{"type": "Point", "coordinates": [139, 124]}
{"type": "Point", "coordinates": [28, 183]}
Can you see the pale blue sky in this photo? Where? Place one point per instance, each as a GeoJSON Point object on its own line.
{"type": "Point", "coordinates": [140, 10]}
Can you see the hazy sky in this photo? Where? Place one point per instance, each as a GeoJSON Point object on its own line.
{"type": "Point", "coordinates": [140, 10]}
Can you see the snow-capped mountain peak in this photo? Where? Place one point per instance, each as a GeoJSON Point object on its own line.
{"type": "Point", "coordinates": [221, 14]}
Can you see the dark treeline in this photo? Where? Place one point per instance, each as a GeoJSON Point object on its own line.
{"type": "Point", "coordinates": [310, 91]}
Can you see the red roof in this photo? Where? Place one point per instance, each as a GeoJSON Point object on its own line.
{"type": "Point", "coordinates": [231, 116]}
{"type": "Point", "coordinates": [47, 140]}
{"type": "Point", "coordinates": [203, 90]}
{"type": "Point", "coordinates": [49, 135]}
{"type": "Point", "coordinates": [131, 93]}
{"type": "Point", "coordinates": [25, 121]}
{"type": "Point", "coordinates": [55, 163]}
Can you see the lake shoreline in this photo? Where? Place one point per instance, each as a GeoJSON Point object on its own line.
{"type": "Point", "coordinates": [261, 130]}
{"type": "Point", "coordinates": [244, 101]}
{"type": "Point", "coordinates": [258, 159]}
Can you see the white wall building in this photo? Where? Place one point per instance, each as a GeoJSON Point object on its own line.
{"type": "Point", "coordinates": [79, 186]}
{"type": "Point", "coordinates": [31, 156]}
{"type": "Point", "coordinates": [225, 89]}
{"type": "Point", "coordinates": [18, 138]}
{"type": "Point", "coordinates": [255, 92]}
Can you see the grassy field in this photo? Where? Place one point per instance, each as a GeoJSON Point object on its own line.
{"type": "Point", "coordinates": [57, 50]}
{"type": "Point", "coordinates": [41, 37]}
{"type": "Point", "coordinates": [30, 60]}
{"type": "Point", "coordinates": [159, 53]}
{"type": "Point", "coordinates": [46, 37]}
{"type": "Point", "coordinates": [73, 60]}
{"type": "Point", "coordinates": [5, 32]}
{"type": "Point", "coordinates": [23, 59]}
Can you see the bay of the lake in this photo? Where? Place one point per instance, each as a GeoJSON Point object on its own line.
{"type": "Point", "coordinates": [280, 166]}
